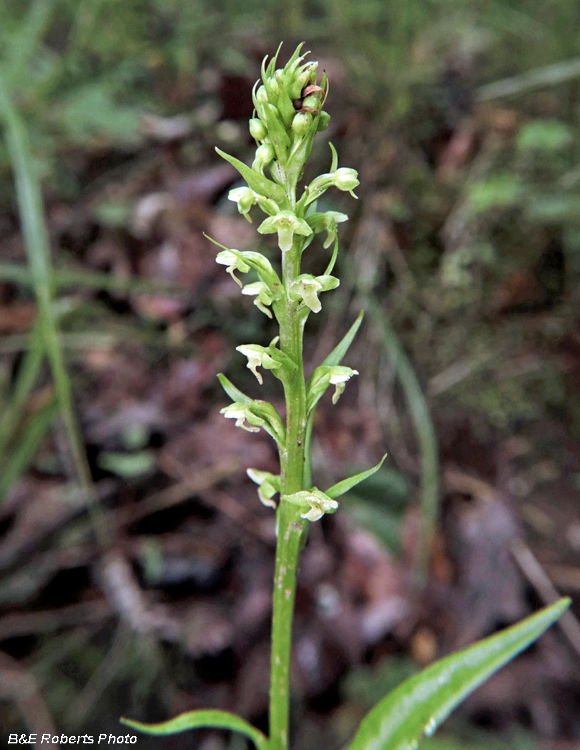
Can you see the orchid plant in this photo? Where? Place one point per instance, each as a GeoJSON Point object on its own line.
{"type": "Point", "coordinates": [288, 114]}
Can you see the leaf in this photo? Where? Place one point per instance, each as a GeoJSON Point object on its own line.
{"type": "Point", "coordinates": [260, 184]}
{"type": "Point", "coordinates": [336, 355]}
{"type": "Point", "coordinates": [127, 465]}
{"type": "Point", "coordinates": [193, 719]}
{"type": "Point", "coordinates": [334, 164]}
{"type": "Point", "coordinates": [26, 447]}
{"type": "Point", "coordinates": [341, 487]}
{"type": "Point", "coordinates": [544, 135]}
{"type": "Point", "coordinates": [496, 191]}
{"type": "Point", "coordinates": [422, 702]}
{"type": "Point", "coordinates": [234, 393]}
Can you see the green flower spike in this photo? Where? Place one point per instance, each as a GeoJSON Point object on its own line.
{"type": "Point", "coordinates": [263, 296]}
{"type": "Point", "coordinates": [318, 503]}
{"type": "Point", "coordinates": [288, 113]}
{"type": "Point", "coordinates": [286, 224]}
{"type": "Point", "coordinates": [268, 485]}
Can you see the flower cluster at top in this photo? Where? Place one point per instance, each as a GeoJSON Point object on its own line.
{"type": "Point", "coordinates": [288, 113]}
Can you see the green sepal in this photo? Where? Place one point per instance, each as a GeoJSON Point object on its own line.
{"type": "Point", "coordinates": [272, 423]}
{"type": "Point", "coordinates": [195, 719]}
{"type": "Point", "coordinates": [256, 181]}
{"type": "Point", "coordinates": [234, 393]}
{"type": "Point", "coordinates": [347, 484]}
{"type": "Point", "coordinates": [286, 108]}
{"type": "Point", "coordinates": [276, 132]}
{"type": "Point", "coordinates": [300, 153]}
{"type": "Point", "coordinates": [417, 706]}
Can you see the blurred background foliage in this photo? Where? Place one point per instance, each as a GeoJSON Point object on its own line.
{"type": "Point", "coordinates": [462, 118]}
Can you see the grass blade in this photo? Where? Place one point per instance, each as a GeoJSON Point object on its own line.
{"type": "Point", "coordinates": [194, 719]}
{"type": "Point", "coordinates": [27, 377]}
{"type": "Point", "coordinates": [27, 445]}
{"type": "Point", "coordinates": [36, 242]}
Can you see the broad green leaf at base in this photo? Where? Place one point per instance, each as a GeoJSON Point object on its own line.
{"type": "Point", "coordinates": [421, 703]}
{"type": "Point", "coordinates": [196, 719]}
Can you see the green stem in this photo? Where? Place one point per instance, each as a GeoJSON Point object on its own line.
{"type": "Point", "coordinates": [289, 523]}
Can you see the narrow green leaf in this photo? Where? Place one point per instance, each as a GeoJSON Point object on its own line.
{"type": "Point", "coordinates": [421, 703]}
{"type": "Point", "coordinates": [27, 446]}
{"type": "Point", "coordinates": [64, 277]}
{"type": "Point", "coordinates": [194, 719]}
{"type": "Point", "coordinates": [336, 355]}
{"type": "Point", "coordinates": [347, 484]}
{"type": "Point", "coordinates": [234, 393]}
{"type": "Point", "coordinates": [334, 358]}
{"type": "Point", "coordinates": [27, 377]}
{"type": "Point", "coordinates": [36, 242]}
{"type": "Point", "coordinates": [260, 184]}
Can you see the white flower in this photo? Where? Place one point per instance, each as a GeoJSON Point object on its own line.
{"type": "Point", "coordinates": [240, 412]}
{"type": "Point", "coordinates": [268, 485]}
{"type": "Point", "coordinates": [339, 376]}
{"type": "Point", "coordinates": [258, 356]}
{"type": "Point", "coordinates": [233, 260]}
{"type": "Point", "coordinates": [263, 297]}
{"type": "Point", "coordinates": [318, 503]}
{"type": "Point", "coordinates": [286, 224]}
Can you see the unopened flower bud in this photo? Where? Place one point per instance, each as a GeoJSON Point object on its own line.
{"type": "Point", "coordinates": [272, 85]}
{"type": "Point", "coordinates": [323, 121]}
{"type": "Point", "coordinates": [258, 129]}
{"type": "Point", "coordinates": [346, 179]}
{"type": "Point", "coordinates": [301, 123]}
{"type": "Point", "coordinates": [311, 102]}
{"type": "Point", "coordinates": [262, 95]}
{"type": "Point", "coordinates": [265, 153]}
